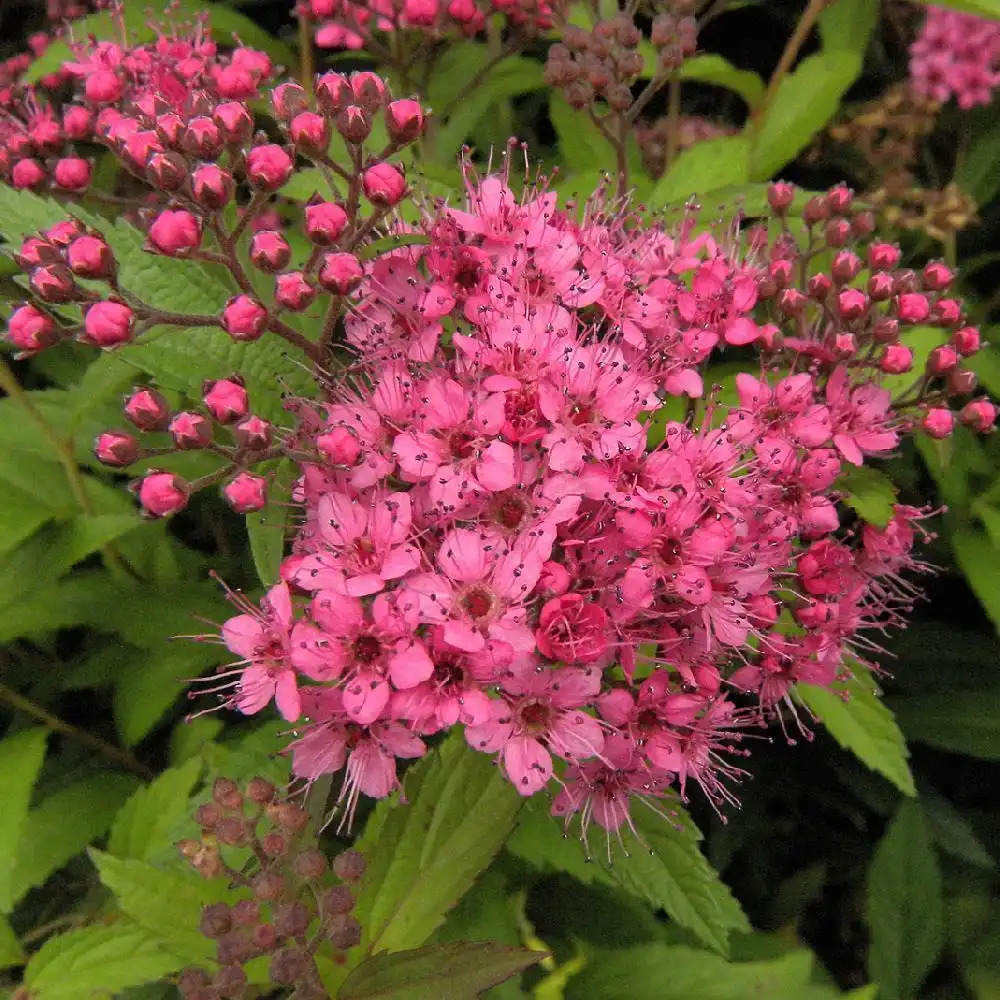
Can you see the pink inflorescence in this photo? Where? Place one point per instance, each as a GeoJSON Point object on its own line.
{"type": "Point", "coordinates": [488, 540]}
{"type": "Point", "coordinates": [956, 55]}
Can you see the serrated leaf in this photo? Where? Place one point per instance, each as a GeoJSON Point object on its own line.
{"type": "Point", "coordinates": [677, 877]}
{"type": "Point", "coordinates": [864, 726]}
{"type": "Point", "coordinates": [869, 492]}
{"type": "Point", "coordinates": [63, 823]}
{"type": "Point", "coordinates": [702, 169]}
{"type": "Point", "coordinates": [712, 68]}
{"type": "Point", "coordinates": [167, 903]}
{"type": "Point", "coordinates": [961, 721]}
{"type": "Point", "coordinates": [142, 825]}
{"type": "Point", "coordinates": [904, 906]}
{"type": "Point", "coordinates": [663, 972]}
{"type": "Point", "coordinates": [21, 759]}
{"type": "Point", "coordinates": [805, 101]}
{"type": "Point", "coordinates": [445, 972]}
{"type": "Point", "coordinates": [97, 961]}
{"type": "Point", "coordinates": [423, 855]}
{"type": "Point", "coordinates": [11, 952]}
{"type": "Point", "coordinates": [979, 559]}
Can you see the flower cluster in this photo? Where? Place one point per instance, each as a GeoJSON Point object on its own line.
{"type": "Point", "coordinates": [956, 55]}
{"type": "Point", "coordinates": [488, 540]}
{"type": "Point", "coordinates": [295, 903]}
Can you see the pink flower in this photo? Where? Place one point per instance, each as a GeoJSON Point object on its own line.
{"type": "Point", "coordinates": [860, 417]}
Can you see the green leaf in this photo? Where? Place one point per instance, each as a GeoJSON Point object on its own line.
{"type": "Point", "coordinates": [11, 952]}
{"type": "Point", "coordinates": [63, 823]}
{"type": "Point", "coordinates": [21, 759]}
{"type": "Point", "coordinates": [979, 559]}
{"type": "Point", "coordinates": [672, 873]}
{"type": "Point", "coordinates": [445, 972]}
{"type": "Point", "coordinates": [100, 960]}
{"type": "Point", "coordinates": [141, 828]}
{"type": "Point", "coordinates": [984, 8]}
{"type": "Point", "coordinates": [847, 25]}
{"type": "Point", "coordinates": [425, 854]}
{"type": "Point", "coordinates": [972, 922]}
{"type": "Point", "coordinates": [952, 832]}
{"type": "Point", "coordinates": [868, 492]}
{"type": "Point", "coordinates": [805, 102]}
{"type": "Point", "coordinates": [904, 906]}
{"type": "Point", "coordinates": [662, 972]}
{"type": "Point", "coordinates": [962, 721]}
{"type": "Point", "coordinates": [975, 163]}
{"type": "Point", "coordinates": [712, 68]}
{"type": "Point", "coordinates": [862, 725]}
{"type": "Point", "coordinates": [705, 167]}
{"type": "Point", "coordinates": [166, 903]}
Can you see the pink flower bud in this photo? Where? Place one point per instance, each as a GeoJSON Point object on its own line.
{"type": "Point", "coordinates": [936, 276]}
{"type": "Point", "coordinates": [190, 430]}
{"type": "Point", "coordinates": [116, 448]}
{"type": "Point", "coordinates": [896, 359]}
{"type": "Point", "coordinates": [244, 318]}
{"type": "Point", "coordinates": [904, 281]}
{"type": "Point", "coordinates": [211, 186]}
{"type": "Point", "coordinates": [839, 199]}
{"type": "Point", "coordinates": [883, 256]}
{"type": "Point", "coordinates": [90, 257]}
{"type": "Point", "coordinates": [108, 324]}
{"type": "Point", "coordinates": [837, 232]}
{"type": "Point", "coordinates": [383, 185]}
{"type": "Point", "coordinates": [339, 446]}
{"type": "Point", "coordinates": [103, 86]}
{"type": "Point", "coordinates": [78, 123]}
{"type": "Point", "coordinates": [791, 302]}
{"type": "Point", "coordinates": [816, 210]}
{"type": "Point", "coordinates": [966, 341]}
{"type": "Point", "coordinates": [253, 433]}
{"type": "Point", "coordinates": [268, 167]}
{"type": "Point", "coordinates": [167, 171]}
{"type": "Point", "coordinates": [333, 92]}
{"type": "Point", "coordinates": [555, 579]}
{"type": "Point", "coordinates": [819, 286]}
{"type": "Point", "coordinates": [781, 272]}
{"type": "Point", "coordinates": [845, 344]}
{"type": "Point", "coordinates": [31, 330]}
{"type": "Point", "coordinates": [203, 138]}
{"type": "Point", "coordinates": [980, 415]}
{"type": "Point", "coordinates": [147, 409]}
{"type": "Point", "coordinates": [404, 120]}
{"type": "Point", "coordinates": [340, 273]}
{"type": "Point", "coordinates": [175, 233]}
{"type": "Point", "coordinates": [53, 283]}
{"type": "Point", "coordinates": [852, 303]}
{"type": "Point", "coordinates": [235, 83]}
{"type": "Point", "coordinates": [269, 251]}
{"type": "Point", "coordinates": [885, 331]}
{"type": "Point", "coordinates": [354, 123]}
{"type": "Point", "coordinates": [946, 312]}
{"type": "Point", "coordinates": [846, 266]}
{"type": "Point", "coordinates": [780, 196]}
{"type": "Point", "coordinates": [63, 233]}
{"type": "Point", "coordinates": [938, 422]}
{"type": "Point", "coordinates": [162, 493]}
{"type": "Point", "coordinates": [27, 175]}
{"type": "Point", "coordinates": [962, 381]}
{"type": "Point", "coordinates": [368, 89]}
{"type": "Point", "coordinates": [310, 132]}
{"type": "Point", "coordinates": [72, 173]}
{"type": "Point", "coordinates": [235, 122]}
{"type": "Point", "coordinates": [325, 221]}
{"type": "Point", "coordinates": [226, 399]}
{"type": "Point", "coordinates": [912, 307]}
{"type": "Point", "coordinates": [36, 251]}
{"type": "Point", "coordinates": [293, 291]}
{"type": "Point", "coordinates": [288, 99]}
{"type": "Point", "coordinates": [942, 360]}
{"type": "Point", "coordinates": [880, 287]}
{"type": "Point", "coordinates": [863, 224]}
{"type": "Point", "coordinates": [255, 62]}
{"type": "Point", "coordinates": [246, 493]}
{"type": "Point", "coordinates": [170, 128]}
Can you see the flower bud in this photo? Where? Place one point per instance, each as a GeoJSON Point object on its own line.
{"type": "Point", "coordinates": [780, 196]}
{"type": "Point", "coordinates": [108, 324]}
{"type": "Point", "coordinates": [369, 90]}
{"type": "Point", "coordinates": [837, 232]}
{"type": "Point", "coordinates": [946, 312]}
{"type": "Point", "coordinates": [863, 224]}
{"type": "Point", "coordinates": [904, 281]}
{"type": "Point", "coordinates": [880, 287]}
{"type": "Point", "coordinates": [226, 399]}
{"type": "Point", "coordinates": [791, 302]}
{"type": "Point", "coordinates": [31, 330]}
{"type": "Point", "coordinates": [333, 92]}
{"type": "Point", "coordinates": [53, 283]}
{"type": "Point", "coordinates": [78, 123]}
{"type": "Point", "coordinates": [343, 931]}
{"type": "Point", "coordinates": [244, 318]}
{"type": "Point", "coordinates": [325, 221]}
{"type": "Point", "coordinates": [230, 981]}
{"type": "Point", "coordinates": [287, 100]}
{"type": "Point", "coordinates": [339, 899]}
{"type": "Point", "coordinates": [289, 965]}
{"type": "Point", "coordinates": [148, 410]}
{"type": "Point", "coordinates": [819, 286]}
{"type": "Point", "coordinates": [208, 816]}
{"type": "Point", "coordinates": [942, 360]}
{"type": "Point", "coordinates": [253, 433]}
{"type": "Point", "coordinates": [966, 341]}
{"type": "Point", "coordinates": [936, 276]}
{"type": "Point", "coordinates": [90, 257]}
{"type": "Point", "coordinates": [839, 199]}
{"type": "Point", "coordinates": [912, 307]}
{"type": "Point", "coordinates": [383, 185]}
{"type": "Point", "coordinates": [354, 123]}
{"type": "Point", "coordinates": [216, 920]}
{"type": "Point", "coordinates": [340, 273]}
{"type": "Point", "coordinates": [36, 251]}
{"type": "Point", "coordinates": [170, 128]}
{"type": "Point", "coordinates": [885, 331]}
{"type": "Point", "coordinates": [310, 132]}
{"type": "Point", "coordinates": [962, 381]}
{"type": "Point", "coordinates": [211, 186]}
{"type": "Point", "coordinates": [269, 251]}
{"type": "Point", "coordinates": [162, 494]}
{"type": "Point", "coordinates": [202, 138]}
{"type": "Point", "coordinates": [273, 844]}
{"type": "Point", "coordinates": [293, 291]}
{"type": "Point", "coordinates": [404, 120]}
{"type": "Point", "coordinates": [896, 359]}
{"type": "Point", "coordinates": [103, 86]}
{"type": "Point", "coordinates": [28, 175]}
{"type": "Point", "coordinates": [781, 272]}
{"type": "Point", "coordinates": [72, 173]}
{"type": "Point", "coordinates": [116, 449]}
{"type": "Point", "coordinates": [310, 864]}
{"type": "Point", "coordinates": [190, 431]}
{"type": "Point", "coordinates": [268, 886]}
{"type": "Point", "coordinates": [350, 866]}
{"type": "Point", "coordinates": [980, 415]}
{"type": "Point", "coordinates": [292, 919]}
{"type": "Point", "coordinates": [246, 493]}
{"type": "Point", "coordinates": [235, 122]}
{"type": "Point", "coordinates": [846, 267]}
{"type": "Point", "coordinates": [264, 937]}
{"type": "Point", "coordinates": [815, 210]}
{"type": "Point", "coordinates": [852, 303]}
{"type": "Point", "coordinates": [260, 790]}
{"type": "Point", "coordinates": [268, 167]}
{"type": "Point", "coordinates": [845, 344]}
{"type": "Point", "coordinates": [938, 423]}
{"type": "Point", "coordinates": [175, 233]}
{"type": "Point", "coordinates": [246, 913]}
{"type": "Point", "coordinates": [167, 171]}
{"type": "Point", "coordinates": [883, 256]}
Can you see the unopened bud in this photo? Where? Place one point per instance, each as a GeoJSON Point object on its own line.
{"type": "Point", "coordinates": [116, 449]}
{"type": "Point", "coordinates": [162, 494]}
{"type": "Point", "coordinates": [246, 493]}
{"type": "Point", "coordinates": [350, 866]}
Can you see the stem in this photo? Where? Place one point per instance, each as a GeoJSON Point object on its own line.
{"type": "Point", "coordinates": [673, 120]}
{"type": "Point", "coordinates": [57, 725]}
{"type": "Point", "coordinates": [306, 68]}
{"type": "Point", "coordinates": [799, 35]}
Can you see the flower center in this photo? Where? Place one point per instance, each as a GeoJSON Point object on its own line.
{"type": "Point", "coordinates": [535, 717]}
{"type": "Point", "coordinates": [477, 603]}
{"type": "Point", "coordinates": [366, 649]}
{"type": "Point", "coordinates": [462, 444]}
{"type": "Point", "coordinates": [509, 510]}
